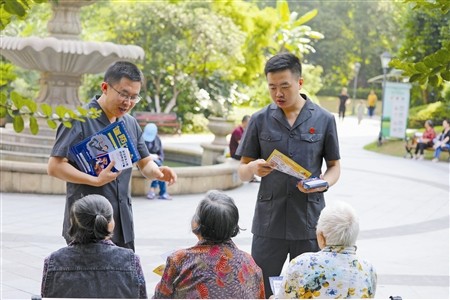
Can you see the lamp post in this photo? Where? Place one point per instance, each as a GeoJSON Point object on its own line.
{"type": "Point", "coordinates": [385, 59]}
{"type": "Point", "coordinates": [356, 68]}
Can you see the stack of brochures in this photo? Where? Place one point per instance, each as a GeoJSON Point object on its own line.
{"type": "Point", "coordinates": [282, 163]}
{"type": "Point", "coordinates": [113, 143]}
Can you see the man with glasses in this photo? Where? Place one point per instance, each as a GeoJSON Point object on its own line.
{"type": "Point", "coordinates": [120, 93]}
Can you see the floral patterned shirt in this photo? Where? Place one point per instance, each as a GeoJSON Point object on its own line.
{"type": "Point", "coordinates": [211, 271]}
{"type": "Point", "coordinates": [333, 272]}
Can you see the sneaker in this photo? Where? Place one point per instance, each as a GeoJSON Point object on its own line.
{"type": "Point", "coordinates": [165, 197]}
{"type": "Point", "coordinates": [435, 160]}
{"type": "Point", "coordinates": [151, 195]}
{"type": "Point", "coordinates": [420, 157]}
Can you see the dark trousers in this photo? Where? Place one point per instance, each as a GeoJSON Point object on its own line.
{"type": "Point", "coordinates": [270, 255]}
{"type": "Point", "coordinates": [341, 112]}
{"type": "Point", "coordinates": [422, 146]}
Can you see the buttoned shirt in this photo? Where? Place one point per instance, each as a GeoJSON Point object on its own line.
{"type": "Point", "coordinates": [117, 191]}
{"type": "Point", "coordinates": [282, 210]}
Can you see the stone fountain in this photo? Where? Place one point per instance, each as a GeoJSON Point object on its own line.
{"type": "Point", "coordinates": [213, 152]}
{"type": "Point", "coordinates": [62, 58]}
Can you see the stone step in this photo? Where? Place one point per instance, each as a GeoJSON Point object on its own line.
{"type": "Point", "coordinates": [9, 137]}
{"type": "Point", "coordinates": [26, 147]}
{"type": "Point", "coordinates": [23, 157]}
{"type": "Point", "coordinates": [44, 130]}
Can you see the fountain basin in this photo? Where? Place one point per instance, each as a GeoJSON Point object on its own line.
{"type": "Point", "coordinates": [28, 177]}
{"type": "Point", "coordinates": [72, 57]}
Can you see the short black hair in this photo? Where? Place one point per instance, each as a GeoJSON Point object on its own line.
{"type": "Point", "coordinates": [284, 61]}
{"type": "Point", "coordinates": [216, 217]}
{"type": "Point", "coordinates": [89, 219]}
{"type": "Point", "coordinates": [245, 118]}
{"type": "Point", "coordinates": [121, 69]}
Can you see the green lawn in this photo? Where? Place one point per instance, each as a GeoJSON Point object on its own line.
{"type": "Point", "coordinates": [397, 148]}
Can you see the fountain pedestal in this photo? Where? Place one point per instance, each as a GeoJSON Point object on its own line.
{"type": "Point", "coordinates": [61, 89]}
{"type": "Point", "coordinates": [220, 127]}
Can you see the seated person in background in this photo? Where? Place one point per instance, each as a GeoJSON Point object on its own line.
{"type": "Point", "coordinates": [443, 141]}
{"type": "Point", "coordinates": [426, 140]}
{"type": "Point", "coordinates": [154, 146]}
{"type": "Point", "coordinates": [335, 271]}
{"type": "Point", "coordinates": [236, 136]}
{"type": "Point", "coordinates": [235, 139]}
{"type": "Point", "coordinates": [214, 267]}
{"type": "Point", "coordinates": [91, 266]}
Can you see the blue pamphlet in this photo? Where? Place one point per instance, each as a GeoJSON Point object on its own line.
{"type": "Point", "coordinates": [113, 142]}
{"type": "Point", "coordinates": [314, 183]}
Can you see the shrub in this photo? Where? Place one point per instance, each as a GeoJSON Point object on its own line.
{"type": "Point", "coordinates": [194, 123]}
{"type": "Point", "coordinates": [436, 112]}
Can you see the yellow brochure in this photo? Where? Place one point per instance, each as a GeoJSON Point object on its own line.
{"type": "Point", "coordinates": [284, 164]}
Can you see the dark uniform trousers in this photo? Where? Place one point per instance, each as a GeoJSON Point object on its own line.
{"type": "Point", "coordinates": [270, 255]}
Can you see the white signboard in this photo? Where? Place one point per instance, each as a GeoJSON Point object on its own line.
{"type": "Point", "coordinates": [395, 110]}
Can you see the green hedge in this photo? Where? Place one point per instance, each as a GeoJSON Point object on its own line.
{"type": "Point", "coordinates": [436, 112]}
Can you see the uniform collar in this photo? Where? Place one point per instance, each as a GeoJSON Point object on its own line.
{"type": "Point", "coordinates": [304, 115]}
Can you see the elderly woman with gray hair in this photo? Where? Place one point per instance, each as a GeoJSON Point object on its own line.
{"type": "Point", "coordinates": [335, 271]}
{"type": "Point", "coordinates": [214, 268]}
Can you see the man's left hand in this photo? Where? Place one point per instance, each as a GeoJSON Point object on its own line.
{"type": "Point", "coordinates": [308, 191]}
{"type": "Point", "coordinates": [169, 175]}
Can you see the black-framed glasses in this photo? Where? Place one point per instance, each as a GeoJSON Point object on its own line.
{"type": "Point", "coordinates": [126, 97]}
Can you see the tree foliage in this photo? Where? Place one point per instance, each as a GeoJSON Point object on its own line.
{"type": "Point", "coordinates": [20, 109]}
{"type": "Point", "coordinates": [354, 31]}
{"type": "Point", "coordinates": [185, 46]}
{"type": "Point", "coordinates": [291, 32]}
{"type": "Point", "coordinates": [258, 27]}
{"type": "Point", "coordinates": [15, 8]}
{"type": "Point", "coordinates": [425, 52]}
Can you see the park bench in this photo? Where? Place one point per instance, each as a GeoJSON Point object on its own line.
{"type": "Point", "coordinates": [161, 120]}
{"type": "Point", "coordinates": [411, 144]}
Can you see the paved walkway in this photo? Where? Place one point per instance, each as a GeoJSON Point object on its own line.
{"type": "Point", "coordinates": [403, 207]}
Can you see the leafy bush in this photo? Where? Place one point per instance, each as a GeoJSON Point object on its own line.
{"type": "Point", "coordinates": [194, 123]}
{"type": "Point", "coordinates": [434, 111]}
